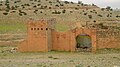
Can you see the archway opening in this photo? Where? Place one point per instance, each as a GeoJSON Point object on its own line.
{"type": "Point", "coordinates": [83, 42]}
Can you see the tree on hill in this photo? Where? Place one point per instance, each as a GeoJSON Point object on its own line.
{"type": "Point", "coordinates": [7, 4]}
{"type": "Point", "coordinates": [79, 2]}
{"type": "Point", "coordinates": [109, 8]}
{"type": "Point", "coordinates": [66, 2]}
{"type": "Point", "coordinates": [93, 5]}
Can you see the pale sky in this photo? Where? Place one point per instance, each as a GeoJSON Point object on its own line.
{"type": "Point", "coordinates": [101, 3]}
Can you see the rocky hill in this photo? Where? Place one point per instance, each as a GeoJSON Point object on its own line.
{"type": "Point", "coordinates": [67, 13]}
{"type": "Point", "coordinates": [41, 4]}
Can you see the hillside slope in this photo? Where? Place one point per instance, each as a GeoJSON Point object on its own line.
{"type": "Point", "coordinates": [67, 13]}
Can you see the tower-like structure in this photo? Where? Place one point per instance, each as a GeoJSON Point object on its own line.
{"type": "Point", "coordinates": [37, 37]}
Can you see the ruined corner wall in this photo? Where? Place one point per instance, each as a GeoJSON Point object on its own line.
{"type": "Point", "coordinates": [109, 38]}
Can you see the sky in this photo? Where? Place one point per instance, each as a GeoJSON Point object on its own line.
{"type": "Point", "coordinates": [101, 3]}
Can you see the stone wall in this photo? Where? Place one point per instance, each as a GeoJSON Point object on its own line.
{"type": "Point", "coordinates": [66, 41]}
{"type": "Point", "coordinates": [37, 38]}
{"type": "Point", "coordinates": [63, 41]}
{"type": "Point", "coordinates": [41, 37]}
{"type": "Point", "coordinates": [108, 38]}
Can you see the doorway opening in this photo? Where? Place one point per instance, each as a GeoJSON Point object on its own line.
{"type": "Point", "coordinates": [83, 42]}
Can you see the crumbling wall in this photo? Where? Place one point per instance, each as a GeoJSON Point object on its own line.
{"type": "Point", "coordinates": [108, 38]}
{"type": "Point", "coordinates": [66, 41]}
{"type": "Point", "coordinates": [63, 41]}
{"type": "Point", "coordinates": [41, 38]}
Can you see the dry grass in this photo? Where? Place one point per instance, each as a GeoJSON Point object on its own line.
{"type": "Point", "coordinates": [60, 59]}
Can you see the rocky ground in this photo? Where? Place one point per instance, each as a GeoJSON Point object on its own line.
{"type": "Point", "coordinates": [102, 58]}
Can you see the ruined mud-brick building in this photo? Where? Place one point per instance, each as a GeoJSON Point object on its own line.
{"type": "Point", "coordinates": [41, 37]}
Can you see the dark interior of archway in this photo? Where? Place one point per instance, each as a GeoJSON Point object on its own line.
{"type": "Point", "coordinates": [83, 41]}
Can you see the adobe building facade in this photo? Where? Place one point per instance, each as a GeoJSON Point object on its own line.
{"type": "Point", "coordinates": [41, 38]}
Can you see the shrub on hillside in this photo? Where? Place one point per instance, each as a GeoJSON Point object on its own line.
{"type": "Point", "coordinates": [93, 5]}
{"type": "Point", "coordinates": [45, 7]}
{"type": "Point", "coordinates": [108, 15]}
{"type": "Point", "coordinates": [39, 1]}
{"type": "Point", "coordinates": [5, 13]}
{"type": "Point", "coordinates": [71, 11]}
{"type": "Point", "coordinates": [118, 16]}
{"type": "Point", "coordinates": [109, 8]}
{"type": "Point", "coordinates": [16, 6]}
{"type": "Point", "coordinates": [7, 10]}
{"type": "Point", "coordinates": [102, 9]}
{"type": "Point", "coordinates": [13, 8]}
{"type": "Point", "coordinates": [63, 11]}
{"type": "Point", "coordinates": [66, 2]}
{"type": "Point", "coordinates": [34, 6]}
{"type": "Point", "coordinates": [78, 5]}
{"type": "Point", "coordinates": [85, 13]}
{"type": "Point", "coordinates": [90, 16]}
{"type": "Point", "coordinates": [91, 11]}
{"type": "Point", "coordinates": [38, 4]}
{"type": "Point", "coordinates": [72, 3]}
{"type": "Point", "coordinates": [35, 0]}
{"type": "Point", "coordinates": [61, 4]}
{"type": "Point", "coordinates": [57, 5]}
{"type": "Point", "coordinates": [99, 15]}
{"type": "Point", "coordinates": [76, 8]}
{"type": "Point", "coordinates": [94, 21]}
{"type": "Point", "coordinates": [95, 12]}
{"type": "Point", "coordinates": [35, 11]}
{"type": "Point", "coordinates": [50, 2]}
{"type": "Point", "coordinates": [50, 7]}
{"type": "Point", "coordinates": [56, 12]}
{"type": "Point", "coordinates": [20, 14]}
{"type": "Point", "coordinates": [24, 13]}
{"type": "Point", "coordinates": [79, 2]}
{"type": "Point", "coordinates": [41, 12]}
{"type": "Point", "coordinates": [1, 5]}
{"type": "Point", "coordinates": [30, 0]}
{"type": "Point", "coordinates": [7, 6]}
{"type": "Point", "coordinates": [13, 11]}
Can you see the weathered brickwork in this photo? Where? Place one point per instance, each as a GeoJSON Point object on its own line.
{"type": "Point", "coordinates": [108, 38]}
{"type": "Point", "coordinates": [37, 39]}
{"type": "Point", "coordinates": [42, 38]}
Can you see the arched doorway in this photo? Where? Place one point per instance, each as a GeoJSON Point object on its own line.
{"type": "Point", "coordinates": [83, 42]}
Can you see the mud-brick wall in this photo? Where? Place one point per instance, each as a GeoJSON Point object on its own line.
{"type": "Point", "coordinates": [108, 38]}
{"type": "Point", "coordinates": [63, 41]}
{"type": "Point", "coordinates": [37, 38]}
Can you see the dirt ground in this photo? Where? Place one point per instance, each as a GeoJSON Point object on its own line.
{"type": "Point", "coordinates": [102, 58]}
